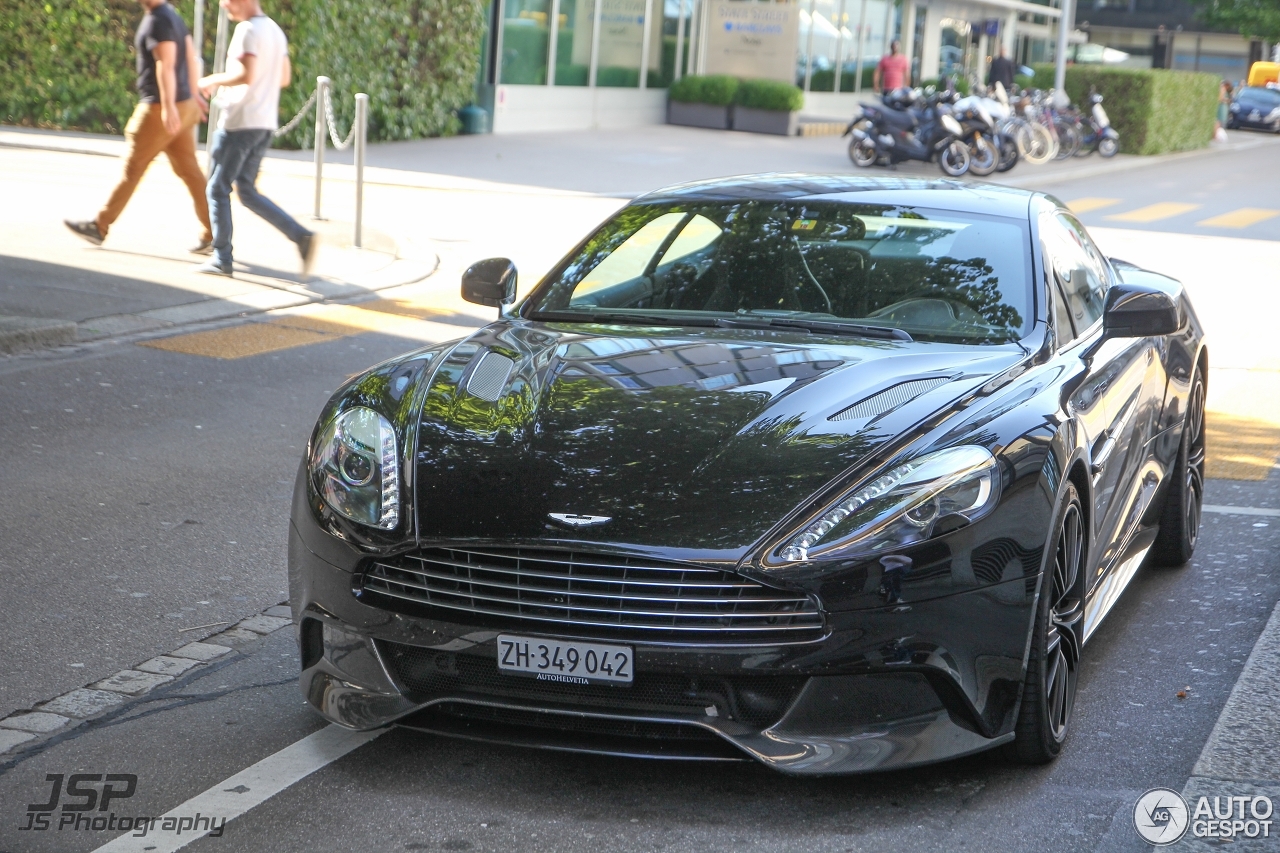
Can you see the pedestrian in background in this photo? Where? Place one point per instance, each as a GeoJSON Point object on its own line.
{"type": "Point", "coordinates": [167, 111]}
{"type": "Point", "coordinates": [893, 71]}
{"type": "Point", "coordinates": [1224, 109]}
{"type": "Point", "coordinates": [248, 97]}
{"type": "Point", "coordinates": [1001, 71]}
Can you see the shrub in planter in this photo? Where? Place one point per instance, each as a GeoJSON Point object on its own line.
{"type": "Point", "coordinates": [1154, 110]}
{"type": "Point", "coordinates": [701, 101]}
{"type": "Point", "coordinates": [772, 95]}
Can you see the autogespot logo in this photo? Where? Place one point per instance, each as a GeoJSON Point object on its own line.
{"type": "Point", "coordinates": [1161, 817]}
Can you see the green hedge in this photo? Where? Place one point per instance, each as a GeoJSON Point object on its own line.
{"type": "Point", "coordinates": [824, 80]}
{"type": "Point", "coordinates": [1155, 111]}
{"type": "Point", "coordinates": [769, 95]}
{"type": "Point", "coordinates": [69, 63]}
{"type": "Point", "coordinates": [715, 89]}
{"type": "Point", "coordinates": [961, 85]}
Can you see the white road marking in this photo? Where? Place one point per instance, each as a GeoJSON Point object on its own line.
{"type": "Point", "coordinates": [250, 787]}
{"type": "Point", "coordinates": [1242, 510]}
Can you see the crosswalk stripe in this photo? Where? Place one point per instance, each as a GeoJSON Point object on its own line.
{"type": "Point", "coordinates": [1242, 218]}
{"type": "Point", "coordinates": [1088, 205]}
{"type": "Point", "coordinates": [1154, 212]}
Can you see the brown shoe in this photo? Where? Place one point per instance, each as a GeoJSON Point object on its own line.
{"type": "Point", "coordinates": [204, 247]}
{"type": "Point", "coordinates": [87, 229]}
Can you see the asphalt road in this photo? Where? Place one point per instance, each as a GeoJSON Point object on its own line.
{"type": "Point", "coordinates": [146, 492]}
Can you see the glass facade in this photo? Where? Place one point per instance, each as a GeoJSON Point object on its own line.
{"type": "Point", "coordinates": [524, 41]}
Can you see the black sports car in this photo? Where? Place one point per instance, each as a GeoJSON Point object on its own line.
{"type": "Point", "coordinates": [836, 474]}
{"type": "Point", "coordinates": [1255, 107]}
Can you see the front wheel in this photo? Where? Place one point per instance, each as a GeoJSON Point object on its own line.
{"type": "Point", "coordinates": [1069, 138]}
{"type": "Point", "coordinates": [1108, 147]}
{"type": "Point", "coordinates": [862, 154]}
{"type": "Point", "coordinates": [1048, 694]}
{"type": "Point", "coordinates": [1180, 519]}
{"type": "Point", "coordinates": [983, 156]}
{"type": "Point", "coordinates": [1008, 154]}
{"type": "Point", "coordinates": [954, 159]}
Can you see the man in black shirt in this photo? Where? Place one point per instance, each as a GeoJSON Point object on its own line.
{"type": "Point", "coordinates": [168, 108]}
{"type": "Point", "coordinates": [1001, 71]}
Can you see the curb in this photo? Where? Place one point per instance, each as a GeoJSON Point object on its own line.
{"type": "Point", "coordinates": [29, 729]}
{"type": "Point", "coordinates": [22, 333]}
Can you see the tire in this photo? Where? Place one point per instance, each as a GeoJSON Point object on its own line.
{"type": "Point", "coordinates": [1048, 693]}
{"type": "Point", "coordinates": [1042, 147]}
{"type": "Point", "coordinates": [1108, 147]}
{"type": "Point", "coordinates": [1008, 154]}
{"type": "Point", "coordinates": [984, 157]}
{"type": "Point", "coordinates": [954, 159]}
{"type": "Point", "coordinates": [1068, 139]}
{"type": "Point", "coordinates": [1180, 518]}
{"type": "Point", "coordinates": [861, 155]}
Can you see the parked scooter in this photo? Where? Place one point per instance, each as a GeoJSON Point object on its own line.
{"type": "Point", "coordinates": [990, 149]}
{"type": "Point", "coordinates": [908, 126]}
{"type": "Point", "coordinates": [1097, 133]}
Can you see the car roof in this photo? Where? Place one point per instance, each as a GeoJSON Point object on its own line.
{"type": "Point", "coordinates": [1259, 90]}
{"type": "Point", "coordinates": [853, 189]}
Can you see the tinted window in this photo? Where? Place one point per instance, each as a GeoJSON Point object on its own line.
{"type": "Point", "coordinates": [934, 274]}
{"type": "Point", "coordinates": [1062, 324]}
{"type": "Point", "coordinates": [1260, 97]}
{"type": "Point", "coordinates": [1078, 268]}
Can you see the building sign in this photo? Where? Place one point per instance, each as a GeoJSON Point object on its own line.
{"type": "Point", "coordinates": [621, 32]}
{"type": "Point", "coordinates": [750, 39]}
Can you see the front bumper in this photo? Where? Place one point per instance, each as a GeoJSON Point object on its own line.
{"type": "Point", "coordinates": [885, 688]}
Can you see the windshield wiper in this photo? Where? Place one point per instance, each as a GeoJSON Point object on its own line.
{"type": "Point", "coordinates": [634, 319]}
{"type": "Point", "coordinates": [882, 332]}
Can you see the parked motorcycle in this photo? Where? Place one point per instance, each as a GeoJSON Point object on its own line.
{"type": "Point", "coordinates": [909, 126]}
{"type": "Point", "coordinates": [1097, 132]}
{"type": "Point", "coordinates": [981, 118]}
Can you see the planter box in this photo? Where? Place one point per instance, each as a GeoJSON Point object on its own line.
{"type": "Point", "coordinates": [765, 121]}
{"type": "Point", "coordinates": [698, 115]}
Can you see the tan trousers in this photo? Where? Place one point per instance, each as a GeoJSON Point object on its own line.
{"type": "Point", "coordinates": [147, 137]}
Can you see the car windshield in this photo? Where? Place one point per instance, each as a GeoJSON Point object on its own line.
{"type": "Point", "coordinates": [833, 267]}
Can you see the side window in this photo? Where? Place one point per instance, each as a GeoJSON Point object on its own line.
{"type": "Point", "coordinates": [1061, 314]}
{"type": "Point", "coordinates": [1078, 268]}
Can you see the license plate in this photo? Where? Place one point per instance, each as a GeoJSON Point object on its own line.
{"type": "Point", "coordinates": [565, 661]}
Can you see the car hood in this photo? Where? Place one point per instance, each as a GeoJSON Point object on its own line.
{"type": "Point", "coordinates": [697, 441]}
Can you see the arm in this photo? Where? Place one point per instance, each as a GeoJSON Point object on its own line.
{"type": "Point", "coordinates": [166, 56]}
{"type": "Point", "coordinates": [193, 74]}
{"type": "Point", "coordinates": [243, 74]}
{"type": "Point", "coordinates": [286, 73]}
{"type": "Point", "coordinates": [875, 76]}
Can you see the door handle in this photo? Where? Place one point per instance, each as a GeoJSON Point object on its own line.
{"type": "Point", "coordinates": [1100, 458]}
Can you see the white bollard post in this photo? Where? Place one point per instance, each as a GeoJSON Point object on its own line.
{"type": "Point", "coordinates": [322, 92]}
{"type": "Point", "coordinates": [362, 132]}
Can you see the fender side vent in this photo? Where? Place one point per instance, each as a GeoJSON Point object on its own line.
{"type": "Point", "coordinates": [889, 399]}
{"type": "Point", "coordinates": [489, 376]}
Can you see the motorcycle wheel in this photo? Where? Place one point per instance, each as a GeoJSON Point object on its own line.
{"type": "Point", "coordinates": [1008, 154]}
{"type": "Point", "coordinates": [861, 155]}
{"type": "Point", "coordinates": [1108, 147]}
{"type": "Point", "coordinates": [983, 156]}
{"type": "Point", "coordinates": [954, 159]}
{"type": "Point", "coordinates": [1041, 149]}
{"type": "Point", "coordinates": [1068, 139]}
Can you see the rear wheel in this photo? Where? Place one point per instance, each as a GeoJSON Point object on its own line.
{"type": "Point", "coordinates": [954, 159]}
{"type": "Point", "coordinates": [1008, 154]}
{"type": "Point", "coordinates": [983, 156]}
{"type": "Point", "coordinates": [1042, 148]}
{"type": "Point", "coordinates": [1048, 694]}
{"type": "Point", "coordinates": [1180, 519]}
{"type": "Point", "coordinates": [1068, 138]}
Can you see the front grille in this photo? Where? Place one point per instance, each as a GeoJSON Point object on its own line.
{"type": "Point", "coordinates": [755, 700]}
{"type": "Point", "coordinates": [601, 596]}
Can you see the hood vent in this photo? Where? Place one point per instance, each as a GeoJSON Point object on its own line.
{"type": "Point", "coordinates": [889, 399]}
{"type": "Point", "coordinates": [488, 375]}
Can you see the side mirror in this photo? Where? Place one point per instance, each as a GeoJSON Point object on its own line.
{"type": "Point", "coordinates": [1135, 311]}
{"type": "Point", "coordinates": [490, 282]}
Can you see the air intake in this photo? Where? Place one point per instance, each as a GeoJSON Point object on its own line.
{"type": "Point", "coordinates": [889, 399]}
{"type": "Point", "coordinates": [489, 376]}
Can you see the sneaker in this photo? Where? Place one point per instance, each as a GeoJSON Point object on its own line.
{"type": "Point", "coordinates": [307, 249]}
{"type": "Point", "coordinates": [87, 229]}
{"type": "Point", "coordinates": [212, 267]}
{"type": "Point", "coordinates": [204, 247]}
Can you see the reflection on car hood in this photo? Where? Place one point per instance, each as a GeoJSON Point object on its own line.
{"type": "Point", "coordinates": [686, 439]}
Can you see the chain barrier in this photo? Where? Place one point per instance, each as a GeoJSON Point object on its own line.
{"type": "Point", "coordinates": [333, 125]}
{"type": "Point", "coordinates": [293, 122]}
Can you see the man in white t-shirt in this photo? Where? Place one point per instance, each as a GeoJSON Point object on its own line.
{"type": "Point", "coordinates": [248, 95]}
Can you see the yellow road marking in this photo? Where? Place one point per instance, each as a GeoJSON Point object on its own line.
{"type": "Point", "coordinates": [1242, 424]}
{"type": "Point", "coordinates": [1242, 218]}
{"type": "Point", "coordinates": [1154, 212]}
{"type": "Point", "coordinates": [1087, 205]}
{"type": "Point", "coordinates": [240, 341]}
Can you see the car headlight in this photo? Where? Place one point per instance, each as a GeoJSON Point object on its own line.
{"type": "Point", "coordinates": [1274, 114]}
{"type": "Point", "coordinates": [907, 504]}
{"type": "Point", "coordinates": [356, 469]}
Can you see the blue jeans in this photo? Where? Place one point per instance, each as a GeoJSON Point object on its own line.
{"type": "Point", "coordinates": [234, 159]}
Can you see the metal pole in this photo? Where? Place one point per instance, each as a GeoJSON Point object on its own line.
{"type": "Point", "coordinates": [808, 50]}
{"type": "Point", "coordinates": [1066, 23]}
{"type": "Point", "coordinates": [593, 64]}
{"type": "Point", "coordinates": [322, 93]}
{"type": "Point", "coordinates": [644, 44]}
{"type": "Point", "coordinates": [840, 28]}
{"type": "Point", "coordinates": [219, 65]}
{"type": "Point", "coordinates": [862, 42]}
{"type": "Point", "coordinates": [553, 31]}
{"type": "Point", "coordinates": [197, 40]}
{"type": "Point", "coordinates": [679, 63]}
{"type": "Point", "coordinates": [362, 131]}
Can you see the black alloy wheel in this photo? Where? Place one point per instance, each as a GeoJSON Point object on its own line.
{"type": "Point", "coordinates": [1180, 519]}
{"type": "Point", "coordinates": [1049, 691]}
